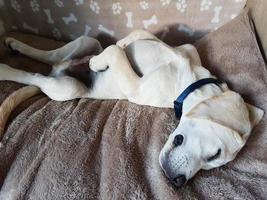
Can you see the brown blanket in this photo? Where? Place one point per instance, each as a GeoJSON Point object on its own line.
{"type": "Point", "coordinates": [93, 149]}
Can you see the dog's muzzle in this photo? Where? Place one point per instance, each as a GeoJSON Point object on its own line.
{"type": "Point", "coordinates": [179, 181]}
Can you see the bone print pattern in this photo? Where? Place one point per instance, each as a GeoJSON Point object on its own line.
{"type": "Point", "coordinates": [152, 21]}
{"type": "Point", "coordinates": [105, 30]}
{"type": "Point", "coordinates": [49, 16]}
{"type": "Point", "coordinates": [68, 20]}
{"type": "Point", "coordinates": [30, 28]}
{"type": "Point", "coordinates": [129, 16]}
{"type": "Point", "coordinates": [217, 11]}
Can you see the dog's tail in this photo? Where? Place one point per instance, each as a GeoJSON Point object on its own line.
{"type": "Point", "coordinates": [12, 101]}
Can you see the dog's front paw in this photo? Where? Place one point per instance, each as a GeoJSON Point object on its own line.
{"type": "Point", "coordinates": [10, 43]}
{"type": "Point", "coordinates": [97, 63]}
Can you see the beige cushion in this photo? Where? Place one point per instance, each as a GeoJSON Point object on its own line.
{"type": "Point", "coordinates": [259, 14]}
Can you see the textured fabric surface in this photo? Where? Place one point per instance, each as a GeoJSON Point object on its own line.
{"type": "Point", "coordinates": [67, 20]}
{"type": "Point", "coordinates": [92, 149]}
{"type": "Point", "coordinates": [259, 14]}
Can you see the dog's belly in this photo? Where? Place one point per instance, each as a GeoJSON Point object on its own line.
{"type": "Point", "coordinates": [146, 56]}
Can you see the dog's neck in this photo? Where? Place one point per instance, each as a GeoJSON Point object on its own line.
{"type": "Point", "coordinates": [202, 93]}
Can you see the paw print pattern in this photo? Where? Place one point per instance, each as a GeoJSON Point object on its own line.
{"type": "Point", "coordinates": [116, 8]}
{"type": "Point", "coordinates": [77, 17]}
{"type": "Point", "coordinates": [165, 2]}
{"type": "Point", "coordinates": [59, 3]}
{"type": "Point", "coordinates": [79, 2]}
{"type": "Point", "coordinates": [143, 5]}
{"type": "Point", "coordinates": [181, 5]}
{"type": "Point", "coordinates": [15, 5]}
{"type": "Point", "coordinates": [94, 6]}
{"type": "Point", "coordinates": [35, 6]}
{"type": "Point", "coordinates": [205, 5]}
{"type": "Point", "coordinates": [56, 33]}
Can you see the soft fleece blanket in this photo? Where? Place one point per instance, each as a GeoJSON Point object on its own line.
{"type": "Point", "coordinates": [93, 149]}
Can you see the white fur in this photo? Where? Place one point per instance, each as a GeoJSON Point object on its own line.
{"type": "Point", "coordinates": [210, 114]}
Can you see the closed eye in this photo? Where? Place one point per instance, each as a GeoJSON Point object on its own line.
{"type": "Point", "coordinates": [211, 158]}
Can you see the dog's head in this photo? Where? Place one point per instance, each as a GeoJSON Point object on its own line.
{"type": "Point", "coordinates": [208, 136]}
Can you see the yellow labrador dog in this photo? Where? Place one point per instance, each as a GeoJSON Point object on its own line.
{"type": "Point", "coordinates": [215, 121]}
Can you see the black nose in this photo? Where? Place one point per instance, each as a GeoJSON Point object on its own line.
{"type": "Point", "coordinates": [179, 180]}
{"type": "Point", "coordinates": [178, 140]}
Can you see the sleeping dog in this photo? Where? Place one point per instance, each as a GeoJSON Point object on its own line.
{"type": "Point", "coordinates": [215, 121]}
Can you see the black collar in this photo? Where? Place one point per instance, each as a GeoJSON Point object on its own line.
{"type": "Point", "coordinates": [178, 103]}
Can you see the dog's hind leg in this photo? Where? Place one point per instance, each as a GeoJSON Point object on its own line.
{"type": "Point", "coordinates": [136, 35]}
{"type": "Point", "coordinates": [113, 58]}
{"type": "Point", "coordinates": [80, 47]}
{"type": "Point", "coordinates": [57, 88]}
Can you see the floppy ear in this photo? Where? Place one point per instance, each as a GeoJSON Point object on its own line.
{"type": "Point", "coordinates": [229, 110]}
{"type": "Point", "coordinates": [255, 114]}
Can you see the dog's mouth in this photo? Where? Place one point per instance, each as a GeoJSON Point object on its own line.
{"type": "Point", "coordinates": [177, 180]}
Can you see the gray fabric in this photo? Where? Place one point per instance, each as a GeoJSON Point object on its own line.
{"type": "Point", "coordinates": [93, 149]}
